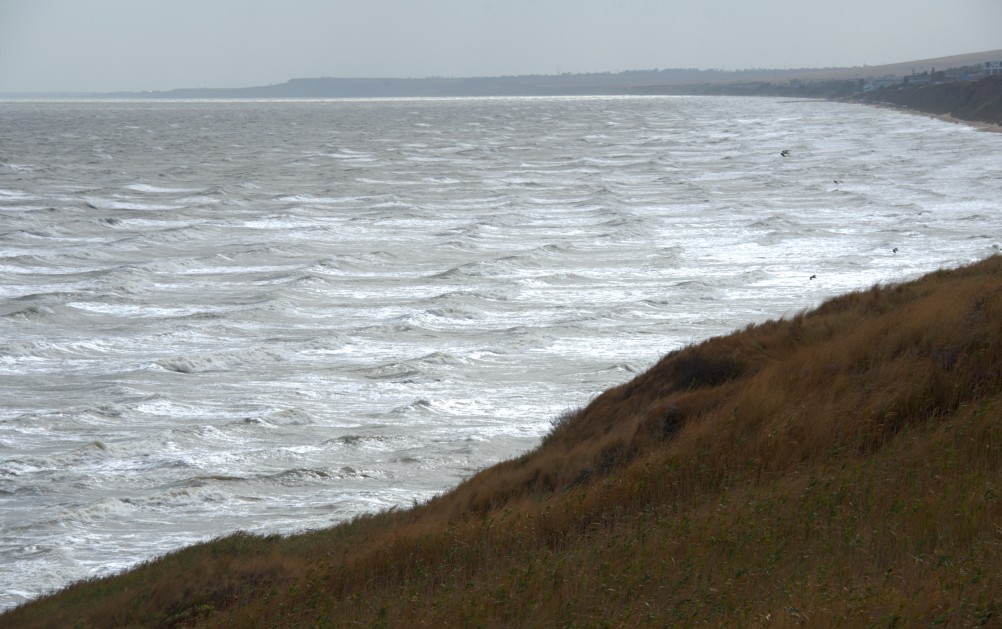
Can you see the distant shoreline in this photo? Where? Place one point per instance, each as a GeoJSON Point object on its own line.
{"type": "Point", "coordinates": [977, 103]}
{"type": "Point", "coordinates": [991, 127]}
{"type": "Point", "coordinates": [809, 82]}
{"type": "Point", "coordinates": [955, 93]}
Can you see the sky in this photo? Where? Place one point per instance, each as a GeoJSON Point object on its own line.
{"type": "Point", "coordinates": [134, 45]}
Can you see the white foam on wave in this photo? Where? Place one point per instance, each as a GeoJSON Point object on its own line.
{"type": "Point", "coordinates": [144, 311]}
{"type": "Point", "coordinates": [122, 204]}
{"type": "Point", "coordinates": [309, 199]}
{"type": "Point", "coordinates": [142, 187]}
{"type": "Point", "coordinates": [16, 195]}
{"type": "Point", "coordinates": [227, 360]}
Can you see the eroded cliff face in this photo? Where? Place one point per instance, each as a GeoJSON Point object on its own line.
{"type": "Point", "coordinates": [974, 101]}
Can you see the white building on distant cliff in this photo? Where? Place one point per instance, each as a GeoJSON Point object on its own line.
{"type": "Point", "coordinates": [992, 67]}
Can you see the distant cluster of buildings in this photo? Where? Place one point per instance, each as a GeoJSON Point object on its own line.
{"type": "Point", "coordinates": [988, 68]}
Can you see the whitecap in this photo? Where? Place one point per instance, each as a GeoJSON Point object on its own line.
{"type": "Point", "coordinates": [119, 204]}
{"type": "Point", "coordinates": [142, 187]}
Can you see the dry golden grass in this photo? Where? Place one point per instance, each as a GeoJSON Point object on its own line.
{"type": "Point", "coordinates": [838, 469]}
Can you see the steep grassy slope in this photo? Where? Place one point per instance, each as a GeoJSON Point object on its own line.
{"type": "Point", "coordinates": [840, 468]}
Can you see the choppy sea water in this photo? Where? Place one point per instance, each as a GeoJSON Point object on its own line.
{"type": "Point", "coordinates": [272, 316]}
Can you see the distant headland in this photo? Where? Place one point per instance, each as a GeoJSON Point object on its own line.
{"type": "Point", "coordinates": [802, 82]}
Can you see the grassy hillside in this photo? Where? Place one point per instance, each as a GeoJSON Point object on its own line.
{"type": "Point", "coordinates": [837, 469]}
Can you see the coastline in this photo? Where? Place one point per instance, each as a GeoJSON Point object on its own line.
{"type": "Point", "coordinates": [974, 103]}
{"type": "Point", "coordinates": [604, 462]}
{"type": "Point", "coordinates": [981, 125]}
{"type": "Point", "coordinates": [734, 479]}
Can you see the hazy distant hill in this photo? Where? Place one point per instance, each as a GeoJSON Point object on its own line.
{"type": "Point", "coordinates": [630, 82]}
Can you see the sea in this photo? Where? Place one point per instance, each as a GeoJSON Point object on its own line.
{"type": "Point", "coordinates": [274, 316]}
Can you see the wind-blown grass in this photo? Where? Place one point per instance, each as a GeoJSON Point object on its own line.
{"type": "Point", "coordinates": [840, 468]}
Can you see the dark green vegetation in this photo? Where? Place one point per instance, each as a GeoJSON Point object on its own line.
{"type": "Point", "coordinates": [840, 468]}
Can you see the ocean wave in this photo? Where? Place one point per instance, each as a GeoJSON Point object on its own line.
{"type": "Point", "coordinates": [142, 187]}
{"type": "Point", "coordinates": [31, 313]}
{"type": "Point", "coordinates": [16, 195]}
{"type": "Point", "coordinates": [420, 406]}
{"type": "Point", "coordinates": [427, 367]}
{"type": "Point", "coordinates": [74, 457]}
{"type": "Point", "coordinates": [219, 362]}
{"type": "Point", "coordinates": [559, 279]}
{"type": "Point", "coordinates": [125, 204]}
{"type": "Point", "coordinates": [472, 269]}
{"type": "Point", "coordinates": [299, 477]}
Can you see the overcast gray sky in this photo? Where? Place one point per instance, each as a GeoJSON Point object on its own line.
{"type": "Point", "coordinates": [108, 45]}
